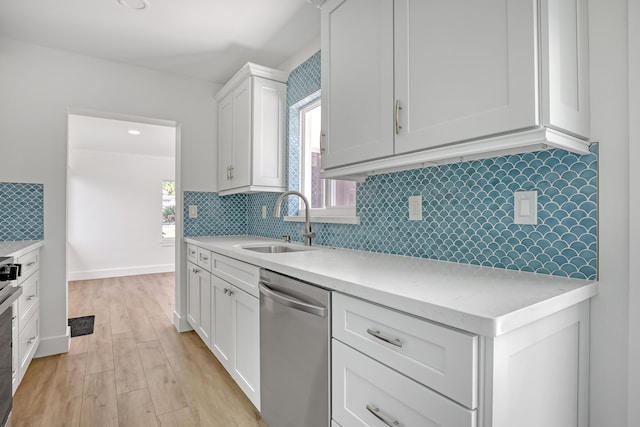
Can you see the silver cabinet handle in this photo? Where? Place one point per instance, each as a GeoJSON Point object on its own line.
{"type": "Point", "coordinates": [196, 271]}
{"type": "Point", "coordinates": [398, 108]}
{"type": "Point", "coordinates": [322, 147]}
{"type": "Point", "coordinates": [31, 297]}
{"type": "Point", "coordinates": [377, 334]}
{"type": "Point", "coordinates": [192, 252]}
{"type": "Point", "coordinates": [31, 340]}
{"type": "Point", "coordinates": [228, 291]}
{"type": "Point", "coordinates": [31, 264]}
{"type": "Point", "coordinates": [204, 258]}
{"type": "Point", "coordinates": [376, 413]}
{"type": "Point", "coordinates": [292, 302]}
{"type": "Point", "coordinates": [231, 171]}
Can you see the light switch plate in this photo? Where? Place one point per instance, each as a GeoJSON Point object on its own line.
{"type": "Point", "coordinates": [193, 211]}
{"type": "Point", "coordinates": [525, 207]}
{"type": "Point", "coordinates": [415, 208]}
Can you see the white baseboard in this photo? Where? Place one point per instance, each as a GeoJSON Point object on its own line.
{"type": "Point", "coordinates": [181, 323]}
{"type": "Point", "coordinates": [54, 345]}
{"type": "Point", "coordinates": [120, 272]}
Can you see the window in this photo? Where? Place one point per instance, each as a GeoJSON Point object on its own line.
{"type": "Point", "coordinates": [168, 211]}
{"type": "Point", "coordinates": [328, 197]}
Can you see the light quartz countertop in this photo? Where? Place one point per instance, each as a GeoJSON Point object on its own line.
{"type": "Point", "coordinates": [20, 247]}
{"type": "Point", "coordinates": [486, 301]}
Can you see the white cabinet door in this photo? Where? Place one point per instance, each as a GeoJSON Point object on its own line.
{"type": "Point", "coordinates": [464, 70]}
{"type": "Point", "coordinates": [225, 142]}
{"type": "Point", "coordinates": [221, 328]}
{"type": "Point", "coordinates": [268, 133]}
{"type": "Point", "coordinates": [357, 81]}
{"type": "Point", "coordinates": [246, 325]}
{"type": "Point", "coordinates": [242, 131]}
{"type": "Point", "coordinates": [204, 327]}
{"type": "Point", "coordinates": [193, 296]}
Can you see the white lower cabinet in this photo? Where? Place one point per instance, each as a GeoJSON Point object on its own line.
{"type": "Point", "coordinates": [199, 302]}
{"type": "Point", "coordinates": [26, 316]}
{"type": "Point", "coordinates": [368, 393]}
{"type": "Point", "coordinates": [225, 316]}
{"type": "Point", "coordinates": [236, 336]}
{"type": "Point", "coordinates": [392, 368]}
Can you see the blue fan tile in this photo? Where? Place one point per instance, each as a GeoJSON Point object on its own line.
{"type": "Point", "coordinates": [21, 211]}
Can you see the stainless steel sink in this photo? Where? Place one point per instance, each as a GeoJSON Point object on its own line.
{"type": "Point", "coordinates": [277, 249]}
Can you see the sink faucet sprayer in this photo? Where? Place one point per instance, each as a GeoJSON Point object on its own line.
{"type": "Point", "coordinates": [308, 234]}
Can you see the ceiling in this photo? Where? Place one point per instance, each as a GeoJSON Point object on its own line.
{"type": "Point", "coordinates": [203, 39]}
{"type": "Point", "coordinates": [111, 136]}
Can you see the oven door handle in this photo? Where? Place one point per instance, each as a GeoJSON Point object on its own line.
{"type": "Point", "coordinates": [289, 301]}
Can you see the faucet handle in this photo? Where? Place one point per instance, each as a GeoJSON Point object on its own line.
{"type": "Point", "coordinates": [286, 238]}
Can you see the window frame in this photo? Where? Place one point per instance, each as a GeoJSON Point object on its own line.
{"type": "Point", "coordinates": [166, 241]}
{"type": "Point", "coordinates": [328, 214]}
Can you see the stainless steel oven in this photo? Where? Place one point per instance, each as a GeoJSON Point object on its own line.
{"type": "Point", "coordinates": [8, 295]}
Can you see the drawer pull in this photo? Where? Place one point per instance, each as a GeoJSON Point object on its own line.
{"type": "Point", "coordinates": [31, 340]}
{"type": "Point", "coordinates": [376, 333]}
{"type": "Point", "coordinates": [376, 413]}
{"type": "Point", "coordinates": [228, 291]}
{"type": "Point", "coordinates": [204, 258]}
{"type": "Point", "coordinates": [31, 297]}
{"type": "Point", "coordinates": [31, 264]}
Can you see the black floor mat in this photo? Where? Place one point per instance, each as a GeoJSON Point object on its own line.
{"type": "Point", "coordinates": [81, 325]}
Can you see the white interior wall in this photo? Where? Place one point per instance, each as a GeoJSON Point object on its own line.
{"type": "Point", "coordinates": [38, 87]}
{"type": "Point", "coordinates": [634, 227]}
{"type": "Point", "coordinates": [608, 37]}
{"type": "Point", "coordinates": [114, 215]}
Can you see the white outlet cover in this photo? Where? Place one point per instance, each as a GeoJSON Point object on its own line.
{"type": "Point", "coordinates": [264, 211]}
{"type": "Point", "coordinates": [525, 207]}
{"type": "Point", "coordinates": [415, 208]}
{"type": "Point", "coordinates": [193, 211]}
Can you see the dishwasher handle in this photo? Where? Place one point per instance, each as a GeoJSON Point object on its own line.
{"type": "Point", "coordinates": [292, 302]}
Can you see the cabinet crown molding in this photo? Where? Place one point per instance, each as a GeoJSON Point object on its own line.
{"type": "Point", "coordinates": [251, 70]}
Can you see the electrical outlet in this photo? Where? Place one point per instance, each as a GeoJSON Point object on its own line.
{"type": "Point", "coordinates": [193, 211]}
{"type": "Point", "coordinates": [525, 207]}
{"type": "Point", "coordinates": [264, 211]}
{"type": "Point", "coordinates": [415, 208]}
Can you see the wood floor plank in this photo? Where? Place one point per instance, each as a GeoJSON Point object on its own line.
{"type": "Point", "coordinates": [166, 394]}
{"type": "Point", "coordinates": [171, 340]}
{"type": "Point", "coordinates": [79, 345]}
{"type": "Point", "coordinates": [128, 367]}
{"type": "Point", "coordinates": [119, 318]}
{"type": "Point", "coordinates": [30, 397]}
{"type": "Point", "coordinates": [140, 323]}
{"type": "Point", "coordinates": [136, 410]}
{"type": "Point", "coordinates": [186, 417]}
{"type": "Point", "coordinates": [64, 399]}
{"type": "Point", "coordinates": [100, 350]}
{"type": "Point", "coordinates": [99, 403]}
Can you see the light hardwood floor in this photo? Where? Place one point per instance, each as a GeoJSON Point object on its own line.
{"type": "Point", "coordinates": [134, 370]}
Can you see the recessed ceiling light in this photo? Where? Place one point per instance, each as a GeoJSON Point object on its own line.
{"type": "Point", "coordinates": [135, 4]}
{"type": "Point", "coordinates": [134, 132]}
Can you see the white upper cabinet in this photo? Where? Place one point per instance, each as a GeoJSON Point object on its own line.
{"type": "Point", "coordinates": [251, 131]}
{"type": "Point", "coordinates": [357, 81]}
{"type": "Point", "coordinates": [412, 83]}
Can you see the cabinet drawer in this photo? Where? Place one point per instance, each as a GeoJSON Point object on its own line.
{"type": "Point", "coordinates": [28, 301]}
{"type": "Point", "coordinates": [204, 259]}
{"type": "Point", "coordinates": [244, 276]}
{"type": "Point", "coordinates": [366, 392]}
{"type": "Point", "coordinates": [30, 263]}
{"type": "Point", "coordinates": [28, 341]}
{"type": "Point", "coordinates": [192, 253]}
{"type": "Point", "coordinates": [441, 358]}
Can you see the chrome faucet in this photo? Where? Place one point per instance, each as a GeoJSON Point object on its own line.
{"type": "Point", "coordinates": [308, 234]}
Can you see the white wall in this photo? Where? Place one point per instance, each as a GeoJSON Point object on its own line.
{"type": "Point", "coordinates": [114, 215]}
{"type": "Point", "coordinates": [634, 198]}
{"type": "Point", "coordinates": [37, 87]}
{"type": "Point", "coordinates": [610, 126]}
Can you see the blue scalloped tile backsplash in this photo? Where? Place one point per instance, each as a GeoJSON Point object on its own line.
{"type": "Point", "coordinates": [467, 208]}
{"type": "Point", "coordinates": [21, 211]}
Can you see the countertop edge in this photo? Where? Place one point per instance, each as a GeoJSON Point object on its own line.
{"type": "Point", "coordinates": [482, 325]}
{"type": "Point", "coordinates": [18, 248]}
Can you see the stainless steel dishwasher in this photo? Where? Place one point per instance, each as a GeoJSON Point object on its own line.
{"type": "Point", "coordinates": [295, 319]}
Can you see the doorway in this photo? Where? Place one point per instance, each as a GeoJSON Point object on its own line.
{"type": "Point", "coordinates": [122, 182]}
